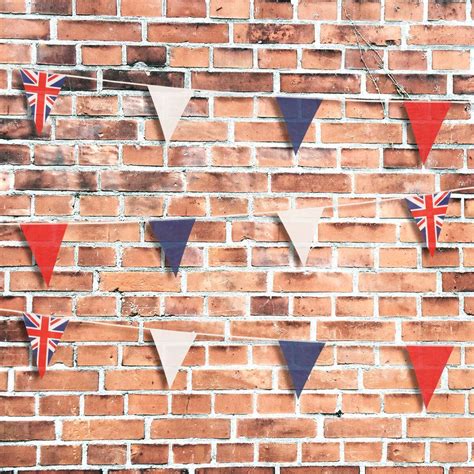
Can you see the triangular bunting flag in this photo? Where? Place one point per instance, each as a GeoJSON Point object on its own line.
{"type": "Point", "coordinates": [173, 235]}
{"type": "Point", "coordinates": [429, 211]}
{"type": "Point", "coordinates": [428, 363]}
{"type": "Point", "coordinates": [44, 241]}
{"type": "Point", "coordinates": [170, 103]}
{"type": "Point", "coordinates": [42, 90]}
{"type": "Point", "coordinates": [426, 119]}
{"type": "Point", "coordinates": [44, 333]}
{"type": "Point", "coordinates": [300, 358]}
{"type": "Point", "coordinates": [298, 114]}
{"type": "Point", "coordinates": [172, 347]}
{"type": "Point", "coordinates": [302, 228]}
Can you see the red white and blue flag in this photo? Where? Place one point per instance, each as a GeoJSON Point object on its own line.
{"type": "Point", "coordinates": [44, 333]}
{"type": "Point", "coordinates": [41, 89]}
{"type": "Point", "coordinates": [429, 211]}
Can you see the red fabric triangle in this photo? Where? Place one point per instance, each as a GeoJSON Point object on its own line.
{"type": "Point", "coordinates": [44, 241]}
{"type": "Point", "coordinates": [428, 363]}
{"type": "Point", "coordinates": [426, 119]}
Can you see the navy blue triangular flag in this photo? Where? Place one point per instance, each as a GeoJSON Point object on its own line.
{"type": "Point", "coordinates": [298, 114]}
{"type": "Point", "coordinates": [300, 358]}
{"type": "Point", "coordinates": [173, 235]}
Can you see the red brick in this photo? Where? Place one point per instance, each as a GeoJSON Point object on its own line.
{"type": "Point", "coordinates": [276, 428]}
{"type": "Point", "coordinates": [106, 454]}
{"type": "Point", "coordinates": [233, 81]}
{"type": "Point", "coordinates": [57, 380]}
{"type": "Point", "coordinates": [321, 83]}
{"type": "Point", "coordinates": [151, 8]}
{"type": "Point", "coordinates": [105, 429]}
{"type": "Point", "coordinates": [101, 55]}
{"type": "Point", "coordinates": [93, 7]}
{"type": "Point", "coordinates": [16, 456]}
{"type": "Point", "coordinates": [273, 9]}
{"type": "Point", "coordinates": [16, 406]}
{"type": "Point", "coordinates": [440, 427]}
{"type": "Point", "coordinates": [24, 28]}
{"type": "Point", "coordinates": [363, 428]}
{"type": "Point", "coordinates": [60, 455]}
{"type": "Point", "coordinates": [441, 35]}
{"type": "Point", "coordinates": [376, 35]}
{"type": "Point", "coordinates": [98, 30]}
{"type": "Point", "coordinates": [149, 453]}
{"type": "Point", "coordinates": [182, 8]}
{"type": "Point", "coordinates": [268, 33]}
{"type": "Point", "coordinates": [184, 427]}
{"type": "Point", "coordinates": [26, 430]}
{"type": "Point", "coordinates": [56, 405]}
{"type": "Point", "coordinates": [195, 33]}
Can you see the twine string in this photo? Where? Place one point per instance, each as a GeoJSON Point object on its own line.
{"type": "Point", "coordinates": [273, 212]}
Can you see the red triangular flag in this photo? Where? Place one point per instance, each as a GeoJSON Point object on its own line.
{"type": "Point", "coordinates": [44, 241]}
{"type": "Point", "coordinates": [426, 119]}
{"type": "Point", "coordinates": [428, 363]}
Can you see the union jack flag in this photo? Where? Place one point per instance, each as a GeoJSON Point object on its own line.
{"type": "Point", "coordinates": [429, 211]}
{"type": "Point", "coordinates": [44, 333]}
{"type": "Point", "coordinates": [41, 89]}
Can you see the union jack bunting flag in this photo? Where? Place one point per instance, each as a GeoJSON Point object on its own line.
{"type": "Point", "coordinates": [41, 89]}
{"type": "Point", "coordinates": [429, 211]}
{"type": "Point", "coordinates": [44, 333]}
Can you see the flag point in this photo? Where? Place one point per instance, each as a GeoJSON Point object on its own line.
{"type": "Point", "coordinates": [428, 364]}
{"type": "Point", "coordinates": [298, 113]}
{"type": "Point", "coordinates": [300, 358]}
{"type": "Point", "coordinates": [44, 241]}
{"type": "Point", "coordinates": [173, 235]}
{"type": "Point", "coordinates": [426, 119]}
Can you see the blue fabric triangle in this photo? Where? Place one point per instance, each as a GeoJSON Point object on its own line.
{"type": "Point", "coordinates": [298, 114]}
{"type": "Point", "coordinates": [300, 358]}
{"type": "Point", "coordinates": [173, 235]}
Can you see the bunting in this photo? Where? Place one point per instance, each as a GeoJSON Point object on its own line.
{"type": "Point", "coordinates": [42, 90]}
{"type": "Point", "coordinates": [44, 241]}
{"type": "Point", "coordinates": [300, 358]}
{"type": "Point", "coordinates": [302, 228]}
{"type": "Point", "coordinates": [429, 211]}
{"type": "Point", "coordinates": [426, 119]}
{"type": "Point", "coordinates": [428, 364]}
{"type": "Point", "coordinates": [172, 347]}
{"type": "Point", "coordinates": [173, 235]}
{"type": "Point", "coordinates": [298, 114]}
{"type": "Point", "coordinates": [169, 103]}
{"type": "Point", "coordinates": [44, 333]}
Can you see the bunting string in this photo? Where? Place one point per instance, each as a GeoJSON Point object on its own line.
{"type": "Point", "coordinates": [349, 99]}
{"type": "Point", "coordinates": [45, 333]}
{"type": "Point", "coordinates": [137, 328]}
{"type": "Point", "coordinates": [260, 213]}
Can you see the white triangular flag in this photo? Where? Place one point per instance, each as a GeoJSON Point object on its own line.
{"type": "Point", "coordinates": [172, 347]}
{"type": "Point", "coordinates": [302, 228]}
{"type": "Point", "coordinates": [170, 103]}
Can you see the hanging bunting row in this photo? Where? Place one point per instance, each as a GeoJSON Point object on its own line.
{"type": "Point", "coordinates": [301, 225]}
{"type": "Point", "coordinates": [45, 333]}
{"type": "Point", "coordinates": [42, 89]}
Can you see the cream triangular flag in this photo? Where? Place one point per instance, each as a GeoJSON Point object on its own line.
{"type": "Point", "coordinates": [170, 103]}
{"type": "Point", "coordinates": [302, 228]}
{"type": "Point", "coordinates": [172, 347]}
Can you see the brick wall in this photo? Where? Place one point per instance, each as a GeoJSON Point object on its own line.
{"type": "Point", "coordinates": [368, 289]}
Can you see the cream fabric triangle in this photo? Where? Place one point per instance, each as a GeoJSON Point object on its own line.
{"type": "Point", "coordinates": [302, 228]}
{"type": "Point", "coordinates": [172, 347]}
{"type": "Point", "coordinates": [169, 103]}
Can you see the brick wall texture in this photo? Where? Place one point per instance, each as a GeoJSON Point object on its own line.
{"type": "Point", "coordinates": [369, 286]}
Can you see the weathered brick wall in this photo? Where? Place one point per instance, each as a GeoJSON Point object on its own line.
{"type": "Point", "coordinates": [368, 288]}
